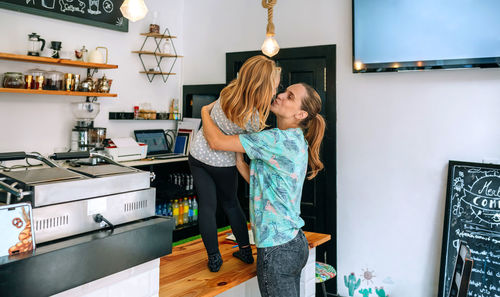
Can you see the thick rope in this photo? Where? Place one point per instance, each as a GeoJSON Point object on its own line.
{"type": "Point", "coordinates": [268, 4]}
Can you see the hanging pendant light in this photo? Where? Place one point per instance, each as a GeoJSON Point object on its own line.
{"type": "Point", "coordinates": [270, 46]}
{"type": "Point", "coordinates": [134, 10]}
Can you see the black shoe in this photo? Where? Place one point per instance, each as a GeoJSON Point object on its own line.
{"type": "Point", "coordinates": [214, 262]}
{"type": "Point", "coordinates": [245, 255]}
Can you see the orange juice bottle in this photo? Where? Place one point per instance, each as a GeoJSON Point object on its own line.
{"type": "Point", "coordinates": [175, 212]}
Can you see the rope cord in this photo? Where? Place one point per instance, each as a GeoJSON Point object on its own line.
{"type": "Point", "coordinates": [268, 4]}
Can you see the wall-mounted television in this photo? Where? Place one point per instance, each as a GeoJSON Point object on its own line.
{"type": "Point", "coordinates": [396, 35]}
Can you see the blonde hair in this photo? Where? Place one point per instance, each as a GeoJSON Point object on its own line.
{"type": "Point", "coordinates": [314, 127]}
{"type": "Point", "coordinates": [251, 92]}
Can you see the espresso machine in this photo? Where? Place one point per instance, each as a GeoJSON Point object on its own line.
{"type": "Point", "coordinates": [84, 136]}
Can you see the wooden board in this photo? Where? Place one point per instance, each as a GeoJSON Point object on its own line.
{"type": "Point", "coordinates": [60, 62]}
{"type": "Point", "coordinates": [99, 13]}
{"type": "Point", "coordinates": [61, 93]}
{"type": "Point", "coordinates": [158, 35]}
{"type": "Point", "coordinates": [157, 72]}
{"type": "Point", "coordinates": [185, 273]}
{"type": "Point", "coordinates": [156, 54]}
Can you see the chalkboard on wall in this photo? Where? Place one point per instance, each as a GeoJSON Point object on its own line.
{"type": "Point", "coordinates": [472, 214]}
{"type": "Point", "coordinates": [100, 13]}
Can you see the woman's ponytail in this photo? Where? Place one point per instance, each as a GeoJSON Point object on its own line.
{"type": "Point", "coordinates": [314, 127]}
{"type": "Point", "coordinates": [314, 137]}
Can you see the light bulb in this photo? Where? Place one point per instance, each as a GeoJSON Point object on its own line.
{"type": "Point", "coordinates": [270, 46]}
{"type": "Point", "coordinates": [134, 10]}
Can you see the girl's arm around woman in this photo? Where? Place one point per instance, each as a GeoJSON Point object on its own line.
{"type": "Point", "coordinates": [214, 136]}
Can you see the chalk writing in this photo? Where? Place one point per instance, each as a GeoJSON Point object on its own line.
{"type": "Point", "coordinates": [473, 215]}
{"type": "Point", "coordinates": [102, 13]}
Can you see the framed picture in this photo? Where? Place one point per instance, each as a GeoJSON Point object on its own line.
{"type": "Point", "coordinates": [16, 229]}
{"type": "Point", "coordinates": [182, 143]}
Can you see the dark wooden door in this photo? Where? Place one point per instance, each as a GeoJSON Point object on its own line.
{"type": "Point", "coordinates": [316, 67]}
{"type": "Point", "coordinates": [312, 72]}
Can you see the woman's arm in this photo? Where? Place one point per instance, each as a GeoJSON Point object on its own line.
{"type": "Point", "coordinates": [242, 167]}
{"type": "Point", "coordinates": [214, 136]}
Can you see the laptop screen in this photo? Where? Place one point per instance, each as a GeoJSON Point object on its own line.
{"type": "Point", "coordinates": [155, 139]}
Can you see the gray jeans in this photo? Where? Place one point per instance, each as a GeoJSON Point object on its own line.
{"type": "Point", "coordinates": [279, 267]}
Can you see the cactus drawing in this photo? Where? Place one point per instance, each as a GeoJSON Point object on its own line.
{"type": "Point", "coordinates": [365, 292]}
{"type": "Point", "coordinates": [351, 283]}
{"type": "Point", "coordinates": [380, 292]}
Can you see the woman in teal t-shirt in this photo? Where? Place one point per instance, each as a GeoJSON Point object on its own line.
{"type": "Point", "coordinates": [279, 160]}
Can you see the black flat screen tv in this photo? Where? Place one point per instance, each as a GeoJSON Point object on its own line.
{"type": "Point", "coordinates": [396, 35]}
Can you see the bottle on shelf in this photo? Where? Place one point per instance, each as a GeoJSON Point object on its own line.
{"type": "Point", "coordinates": [181, 212]}
{"type": "Point", "coordinates": [195, 210]}
{"type": "Point", "coordinates": [186, 211]}
{"type": "Point", "coordinates": [169, 208]}
{"type": "Point", "coordinates": [159, 207]}
{"type": "Point", "coordinates": [175, 212]}
{"type": "Point", "coordinates": [164, 209]}
{"type": "Point", "coordinates": [190, 215]}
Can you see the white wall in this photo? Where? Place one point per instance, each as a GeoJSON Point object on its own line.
{"type": "Point", "coordinates": [395, 134]}
{"type": "Point", "coordinates": [44, 123]}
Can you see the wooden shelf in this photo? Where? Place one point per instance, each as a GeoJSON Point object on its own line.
{"type": "Point", "coordinates": [157, 54]}
{"type": "Point", "coordinates": [157, 72]}
{"type": "Point", "coordinates": [52, 61]}
{"type": "Point", "coordinates": [49, 92]}
{"type": "Point", "coordinates": [158, 35]}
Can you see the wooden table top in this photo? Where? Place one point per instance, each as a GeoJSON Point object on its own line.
{"type": "Point", "coordinates": [184, 273]}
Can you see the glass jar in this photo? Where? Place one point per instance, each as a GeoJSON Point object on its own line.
{"type": "Point", "coordinates": [38, 78]}
{"type": "Point", "coordinates": [54, 80]}
{"type": "Point", "coordinates": [13, 80]}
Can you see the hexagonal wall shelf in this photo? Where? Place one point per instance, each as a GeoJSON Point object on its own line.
{"type": "Point", "coordinates": [159, 54]}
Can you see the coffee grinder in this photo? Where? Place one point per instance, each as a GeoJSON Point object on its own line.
{"type": "Point", "coordinates": [84, 136]}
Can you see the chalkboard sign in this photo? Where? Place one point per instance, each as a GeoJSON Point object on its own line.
{"type": "Point", "coordinates": [100, 13]}
{"type": "Point", "coordinates": [472, 214]}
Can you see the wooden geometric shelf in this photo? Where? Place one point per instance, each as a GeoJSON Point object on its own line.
{"type": "Point", "coordinates": [50, 92]}
{"type": "Point", "coordinates": [158, 35]}
{"type": "Point", "coordinates": [156, 54]}
{"type": "Point", "coordinates": [61, 62]}
{"type": "Point", "coordinates": [157, 72]}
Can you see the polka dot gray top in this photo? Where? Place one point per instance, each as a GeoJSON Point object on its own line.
{"type": "Point", "coordinates": [200, 149]}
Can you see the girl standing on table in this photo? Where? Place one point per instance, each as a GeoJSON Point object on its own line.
{"type": "Point", "coordinates": [243, 107]}
{"type": "Point", "coordinates": [279, 160]}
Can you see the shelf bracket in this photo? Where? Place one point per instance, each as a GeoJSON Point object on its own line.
{"type": "Point", "coordinates": [159, 58]}
{"type": "Point", "coordinates": [92, 71]}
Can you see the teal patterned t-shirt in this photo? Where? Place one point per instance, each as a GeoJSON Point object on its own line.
{"type": "Point", "coordinates": [277, 171]}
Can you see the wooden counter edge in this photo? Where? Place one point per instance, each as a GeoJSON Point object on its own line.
{"type": "Point", "coordinates": [174, 281]}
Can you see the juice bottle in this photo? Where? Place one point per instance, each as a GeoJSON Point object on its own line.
{"type": "Point", "coordinates": [181, 212]}
{"type": "Point", "coordinates": [186, 211]}
{"type": "Point", "coordinates": [169, 208]}
{"type": "Point", "coordinates": [175, 212]}
{"type": "Point", "coordinates": [190, 215]}
{"type": "Point", "coordinates": [195, 210]}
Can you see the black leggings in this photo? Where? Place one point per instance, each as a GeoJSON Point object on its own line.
{"type": "Point", "coordinates": [211, 182]}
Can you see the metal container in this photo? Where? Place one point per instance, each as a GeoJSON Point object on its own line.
{"type": "Point", "coordinates": [68, 81]}
{"type": "Point", "coordinates": [76, 83]}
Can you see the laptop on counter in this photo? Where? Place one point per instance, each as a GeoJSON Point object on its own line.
{"type": "Point", "coordinates": [157, 144]}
